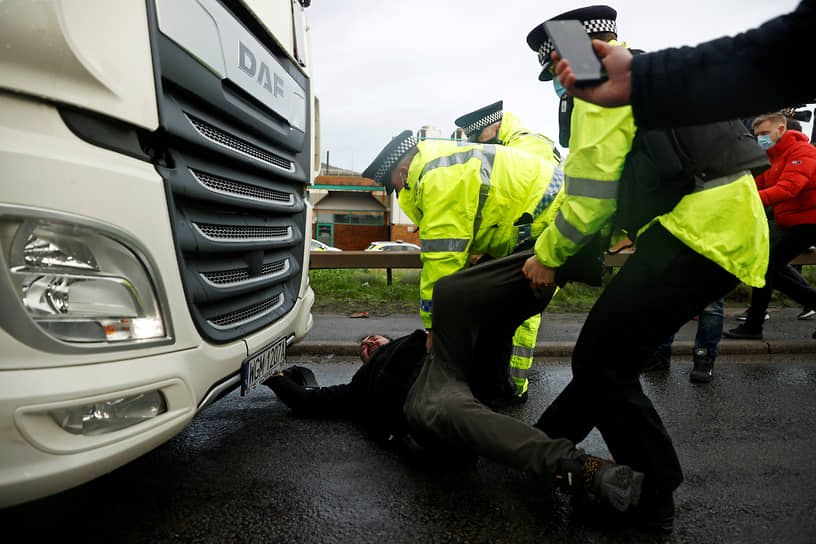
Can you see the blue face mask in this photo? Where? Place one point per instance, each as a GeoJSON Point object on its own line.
{"type": "Point", "coordinates": [559, 89]}
{"type": "Point", "coordinates": [765, 141]}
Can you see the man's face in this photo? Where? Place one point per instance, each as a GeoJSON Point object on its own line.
{"type": "Point", "coordinates": [369, 344]}
{"type": "Point", "coordinates": [774, 130]}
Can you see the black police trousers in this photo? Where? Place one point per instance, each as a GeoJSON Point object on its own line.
{"type": "Point", "coordinates": [662, 286]}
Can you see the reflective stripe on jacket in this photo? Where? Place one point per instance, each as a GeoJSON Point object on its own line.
{"type": "Point", "coordinates": [600, 140]}
{"type": "Point", "coordinates": [465, 199]}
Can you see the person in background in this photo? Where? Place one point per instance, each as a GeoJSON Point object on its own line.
{"type": "Point", "coordinates": [795, 270]}
{"type": "Point", "coordinates": [706, 345]}
{"type": "Point", "coordinates": [696, 237]}
{"type": "Point", "coordinates": [693, 85]}
{"type": "Point", "coordinates": [789, 187]}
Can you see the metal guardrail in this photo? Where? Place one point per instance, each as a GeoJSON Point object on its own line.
{"type": "Point", "coordinates": [411, 259]}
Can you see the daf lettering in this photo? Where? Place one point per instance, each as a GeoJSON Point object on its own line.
{"type": "Point", "coordinates": [270, 81]}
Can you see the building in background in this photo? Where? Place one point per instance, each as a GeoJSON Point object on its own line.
{"type": "Point", "coordinates": [351, 211]}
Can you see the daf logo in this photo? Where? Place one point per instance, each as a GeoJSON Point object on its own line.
{"type": "Point", "coordinates": [272, 82]}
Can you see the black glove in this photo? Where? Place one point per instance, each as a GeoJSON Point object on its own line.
{"type": "Point", "coordinates": [301, 376]}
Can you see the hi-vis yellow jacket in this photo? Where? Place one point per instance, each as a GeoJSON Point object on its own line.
{"type": "Point", "coordinates": [512, 134]}
{"type": "Point", "coordinates": [466, 198]}
{"type": "Point", "coordinates": [724, 221]}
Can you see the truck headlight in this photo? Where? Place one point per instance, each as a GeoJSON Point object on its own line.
{"type": "Point", "coordinates": [81, 285]}
{"type": "Point", "coordinates": [113, 415]}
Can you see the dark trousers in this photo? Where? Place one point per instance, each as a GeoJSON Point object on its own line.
{"type": "Point", "coordinates": [475, 310]}
{"type": "Point", "coordinates": [789, 243]}
{"type": "Point", "coordinates": [661, 286]}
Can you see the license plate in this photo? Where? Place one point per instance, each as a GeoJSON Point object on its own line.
{"type": "Point", "coordinates": [258, 367]}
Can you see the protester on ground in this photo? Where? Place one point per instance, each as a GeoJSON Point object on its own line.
{"type": "Point", "coordinates": [789, 187]}
{"type": "Point", "coordinates": [377, 392]}
{"type": "Point", "coordinates": [763, 69]}
{"type": "Point", "coordinates": [699, 230]}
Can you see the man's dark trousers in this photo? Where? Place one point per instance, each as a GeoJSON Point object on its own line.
{"type": "Point", "coordinates": [474, 311]}
{"type": "Point", "coordinates": [662, 286]}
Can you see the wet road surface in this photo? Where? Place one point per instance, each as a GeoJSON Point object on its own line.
{"type": "Point", "coordinates": [246, 470]}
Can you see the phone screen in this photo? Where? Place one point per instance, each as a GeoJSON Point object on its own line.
{"type": "Point", "coordinates": [572, 43]}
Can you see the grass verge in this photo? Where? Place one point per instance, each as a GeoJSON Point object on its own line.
{"type": "Point", "coordinates": [348, 291]}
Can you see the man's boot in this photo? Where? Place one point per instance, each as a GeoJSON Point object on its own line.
{"type": "Point", "coordinates": [703, 369]}
{"type": "Point", "coordinates": [617, 485]}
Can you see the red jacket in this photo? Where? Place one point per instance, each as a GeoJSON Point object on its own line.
{"type": "Point", "coordinates": [789, 185]}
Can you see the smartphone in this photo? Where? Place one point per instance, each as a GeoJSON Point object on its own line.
{"type": "Point", "coordinates": [572, 42]}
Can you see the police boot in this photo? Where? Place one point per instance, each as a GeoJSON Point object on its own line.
{"type": "Point", "coordinates": [703, 369]}
{"type": "Point", "coordinates": [617, 485]}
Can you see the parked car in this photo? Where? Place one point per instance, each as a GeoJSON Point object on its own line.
{"type": "Point", "coordinates": [397, 245]}
{"type": "Point", "coordinates": [317, 245]}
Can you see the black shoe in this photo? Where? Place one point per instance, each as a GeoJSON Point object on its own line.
{"type": "Point", "coordinates": [703, 369]}
{"type": "Point", "coordinates": [506, 396]}
{"type": "Point", "coordinates": [616, 485]}
{"type": "Point", "coordinates": [744, 315]}
{"type": "Point", "coordinates": [741, 332]}
{"type": "Point", "coordinates": [660, 360]}
{"type": "Point", "coordinates": [806, 313]}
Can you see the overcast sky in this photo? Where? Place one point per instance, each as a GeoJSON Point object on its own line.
{"type": "Point", "coordinates": [382, 67]}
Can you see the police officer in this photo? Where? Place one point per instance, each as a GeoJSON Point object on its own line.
{"type": "Point", "coordinates": [491, 124]}
{"type": "Point", "coordinates": [466, 199]}
{"type": "Point", "coordinates": [699, 230]}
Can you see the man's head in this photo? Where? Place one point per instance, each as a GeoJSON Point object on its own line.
{"type": "Point", "coordinates": [792, 124]}
{"type": "Point", "coordinates": [769, 128]}
{"type": "Point", "coordinates": [482, 125]}
{"type": "Point", "coordinates": [370, 343]}
{"type": "Point", "coordinates": [599, 22]}
{"type": "Point", "coordinates": [389, 168]}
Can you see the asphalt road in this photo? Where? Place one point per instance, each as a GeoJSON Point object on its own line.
{"type": "Point", "coordinates": [246, 470]}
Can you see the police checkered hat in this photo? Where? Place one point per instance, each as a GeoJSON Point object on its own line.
{"type": "Point", "coordinates": [475, 121]}
{"type": "Point", "coordinates": [383, 165]}
{"type": "Point", "coordinates": [594, 18]}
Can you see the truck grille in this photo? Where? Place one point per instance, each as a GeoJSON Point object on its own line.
{"type": "Point", "coordinates": [240, 275]}
{"type": "Point", "coordinates": [236, 174]}
{"type": "Point", "coordinates": [235, 188]}
{"type": "Point", "coordinates": [248, 314]}
{"type": "Point", "coordinates": [234, 143]}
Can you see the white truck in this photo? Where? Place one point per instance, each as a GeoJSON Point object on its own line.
{"type": "Point", "coordinates": [154, 227]}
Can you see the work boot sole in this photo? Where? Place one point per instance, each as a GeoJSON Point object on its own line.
{"type": "Point", "coordinates": [700, 377]}
{"type": "Point", "coordinates": [619, 486]}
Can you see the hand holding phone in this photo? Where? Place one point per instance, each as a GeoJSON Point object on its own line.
{"type": "Point", "coordinates": [572, 43]}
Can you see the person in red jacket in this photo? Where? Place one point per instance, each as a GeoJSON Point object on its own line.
{"type": "Point", "coordinates": [789, 187]}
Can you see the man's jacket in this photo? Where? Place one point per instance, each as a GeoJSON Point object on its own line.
{"type": "Point", "coordinates": [790, 184]}
{"type": "Point", "coordinates": [725, 223]}
{"type": "Point", "coordinates": [764, 69]}
{"type": "Point", "coordinates": [473, 199]}
{"type": "Point", "coordinates": [375, 395]}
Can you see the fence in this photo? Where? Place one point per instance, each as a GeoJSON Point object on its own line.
{"type": "Point", "coordinates": [410, 259]}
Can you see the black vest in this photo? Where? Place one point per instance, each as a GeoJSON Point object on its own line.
{"type": "Point", "coordinates": [666, 164]}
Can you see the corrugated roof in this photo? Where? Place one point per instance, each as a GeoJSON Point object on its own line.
{"type": "Point", "coordinates": [351, 202]}
{"type": "Point", "coordinates": [350, 181]}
